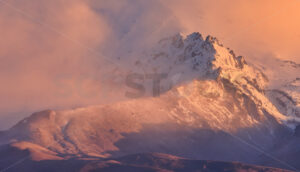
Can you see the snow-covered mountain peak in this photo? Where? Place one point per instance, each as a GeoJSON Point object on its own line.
{"type": "Point", "coordinates": [208, 88]}
{"type": "Point", "coordinates": [192, 57]}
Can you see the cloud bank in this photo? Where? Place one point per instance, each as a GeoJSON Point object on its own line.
{"type": "Point", "coordinates": [53, 54]}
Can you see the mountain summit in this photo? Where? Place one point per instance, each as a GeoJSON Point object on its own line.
{"type": "Point", "coordinates": [213, 107]}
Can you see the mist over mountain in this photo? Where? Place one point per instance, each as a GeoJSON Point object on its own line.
{"type": "Point", "coordinates": [54, 54]}
{"type": "Point", "coordinates": [212, 105]}
{"type": "Point", "coordinates": [141, 85]}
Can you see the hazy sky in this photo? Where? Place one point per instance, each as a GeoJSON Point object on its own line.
{"type": "Point", "coordinates": [248, 26]}
{"type": "Point", "coordinates": [52, 53]}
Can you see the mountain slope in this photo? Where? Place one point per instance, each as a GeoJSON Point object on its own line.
{"type": "Point", "coordinates": [161, 162]}
{"type": "Point", "coordinates": [153, 162]}
{"type": "Point", "coordinates": [213, 107]}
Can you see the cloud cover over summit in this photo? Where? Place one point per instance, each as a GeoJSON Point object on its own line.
{"type": "Point", "coordinates": [54, 53]}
